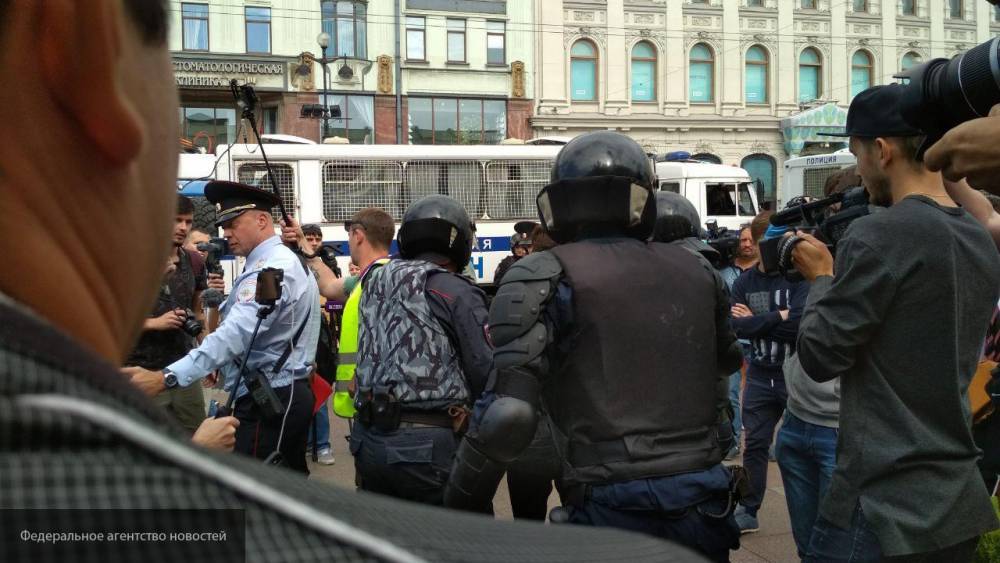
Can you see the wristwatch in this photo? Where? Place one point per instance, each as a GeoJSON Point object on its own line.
{"type": "Point", "coordinates": [169, 379]}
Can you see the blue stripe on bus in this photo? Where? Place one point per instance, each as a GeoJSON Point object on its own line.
{"type": "Point", "coordinates": [485, 244]}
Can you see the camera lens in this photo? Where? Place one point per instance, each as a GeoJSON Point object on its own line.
{"type": "Point", "coordinates": [945, 93]}
{"type": "Point", "coordinates": [970, 83]}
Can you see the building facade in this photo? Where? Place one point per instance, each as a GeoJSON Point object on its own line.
{"type": "Point", "coordinates": [725, 79]}
{"type": "Point", "coordinates": [433, 71]}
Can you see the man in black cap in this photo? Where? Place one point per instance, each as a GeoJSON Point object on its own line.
{"type": "Point", "coordinates": [900, 318]}
{"type": "Point", "coordinates": [285, 346]}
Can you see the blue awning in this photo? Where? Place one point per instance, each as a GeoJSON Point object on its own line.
{"type": "Point", "coordinates": [805, 127]}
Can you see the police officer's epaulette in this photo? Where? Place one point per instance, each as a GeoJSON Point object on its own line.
{"type": "Point", "coordinates": [534, 267]}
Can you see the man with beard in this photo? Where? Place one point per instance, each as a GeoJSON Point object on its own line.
{"type": "Point", "coordinates": [900, 319]}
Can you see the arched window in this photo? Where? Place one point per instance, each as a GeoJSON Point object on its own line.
{"type": "Point", "coordinates": [861, 72]}
{"type": "Point", "coordinates": [762, 167]}
{"type": "Point", "coordinates": [345, 21]}
{"type": "Point", "coordinates": [910, 59]}
{"type": "Point", "coordinates": [583, 71]}
{"type": "Point", "coordinates": [701, 73]}
{"type": "Point", "coordinates": [756, 75]}
{"type": "Point", "coordinates": [810, 75]}
{"type": "Point", "coordinates": [707, 157]}
{"type": "Point", "coordinates": [643, 72]}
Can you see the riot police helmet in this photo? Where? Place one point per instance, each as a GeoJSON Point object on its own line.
{"type": "Point", "coordinates": [601, 185]}
{"type": "Point", "coordinates": [439, 225]}
{"type": "Point", "coordinates": [676, 218]}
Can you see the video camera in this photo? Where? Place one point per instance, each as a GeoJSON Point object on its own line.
{"type": "Point", "coordinates": [815, 216]}
{"type": "Point", "coordinates": [215, 249]}
{"type": "Point", "coordinates": [943, 93]}
{"type": "Point", "coordinates": [724, 241]}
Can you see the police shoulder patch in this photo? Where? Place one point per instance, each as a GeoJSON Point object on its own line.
{"type": "Point", "coordinates": [247, 292]}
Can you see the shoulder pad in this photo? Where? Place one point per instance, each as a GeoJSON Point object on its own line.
{"type": "Point", "coordinates": [517, 308]}
{"type": "Point", "coordinates": [536, 266]}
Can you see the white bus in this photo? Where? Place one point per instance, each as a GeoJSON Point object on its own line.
{"type": "Point", "coordinates": [326, 184]}
{"type": "Point", "coordinates": [806, 175]}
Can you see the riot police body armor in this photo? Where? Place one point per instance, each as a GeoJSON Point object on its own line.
{"type": "Point", "coordinates": [422, 355]}
{"type": "Point", "coordinates": [625, 342]}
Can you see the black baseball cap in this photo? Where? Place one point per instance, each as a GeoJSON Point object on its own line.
{"type": "Point", "coordinates": [875, 113]}
{"type": "Point", "coordinates": [312, 229]}
{"type": "Point", "coordinates": [232, 198]}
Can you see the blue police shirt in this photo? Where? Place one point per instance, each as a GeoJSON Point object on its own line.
{"type": "Point", "coordinates": [222, 349]}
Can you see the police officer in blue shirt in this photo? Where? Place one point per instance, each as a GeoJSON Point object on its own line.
{"type": "Point", "coordinates": [285, 344]}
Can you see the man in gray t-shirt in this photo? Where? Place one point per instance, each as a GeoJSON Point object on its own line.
{"type": "Point", "coordinates": [901, 324]}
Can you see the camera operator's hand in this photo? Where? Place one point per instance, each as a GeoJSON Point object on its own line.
{"type": "Point", "coordinates": [215, 281]}
{"type": "Point", "coordinates": [811, 257]}
{"type": "Point", "coordinates": [740, 311]}
{"type": "Point", "coordinates": [291, 232]}
{"type": "Point", "coordinates": [171, 320]}
{"type": "Point", "coordinates": [970, 151]}
{"type": "Point", "coordinates": [149, 382]}
{"type": "Point", "coordinates": [217, 433]}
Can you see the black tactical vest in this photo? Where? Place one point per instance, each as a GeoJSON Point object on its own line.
{"type": "Point", "coordinates": [636, 393]}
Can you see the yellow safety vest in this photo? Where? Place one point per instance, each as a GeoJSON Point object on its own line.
{"type": "Point", "coordinates": [343, 403]}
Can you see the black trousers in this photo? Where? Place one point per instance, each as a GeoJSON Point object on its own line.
{"type": "Point", "coordinates": [258, 436]}
{"type": "Point", "coordinates": [412, 462]}
{"type": "Point", "coordinates": [530, 476]}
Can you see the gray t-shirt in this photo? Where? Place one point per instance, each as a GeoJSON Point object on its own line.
{"type": "Point", "coordinates": [902, 325]}
{"type": "Point", "coordinates": [816, 402]}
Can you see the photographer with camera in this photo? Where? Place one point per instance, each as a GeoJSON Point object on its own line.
{"type": "Point", "coordinates": [900, 319]}
{"type": "Point", "coordinates": [283, 352]}
{"type": "Point", "coordinates": [175, 323]}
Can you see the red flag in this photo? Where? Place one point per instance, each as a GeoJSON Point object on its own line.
{"type": "Point", "coordinates": [322, 390]}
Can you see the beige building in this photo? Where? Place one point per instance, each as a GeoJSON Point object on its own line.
{"type": "Point", "coordinates": [725, 79]}
{"type": "Point", "coordinates": [433, 71]}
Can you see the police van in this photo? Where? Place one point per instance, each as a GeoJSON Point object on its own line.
{"type": "Point", "coordinates": [327, 183]}
{"type": "Point", "coordinates": [720, 193]}
{"type": "Point", "coordinates": [806, 175]}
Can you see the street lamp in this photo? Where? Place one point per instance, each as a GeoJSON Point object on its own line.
{"type": "Point", "coordinates": [324, 41]}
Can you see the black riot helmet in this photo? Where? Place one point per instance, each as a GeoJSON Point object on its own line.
{"type": "Point", "coordinates": [601, 185]}
{"type": "Point", "coordinates": [676, 218]}
{"type": "Point", "coordinates": [437, 224]}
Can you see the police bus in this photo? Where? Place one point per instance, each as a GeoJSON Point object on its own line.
{"type": "Point", "coordinates": [327, 183]}
{"type": "Point", "coordinates": [806, 175]}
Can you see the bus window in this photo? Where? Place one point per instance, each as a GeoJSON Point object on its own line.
{"type": "Point", "coordinates": [461, 180]}
{"type": "Point", "coordinates": [673, 187]}
{"type": "Point", "coordinates": [745, 201]}
{"type": "Point", "coordinates": [814, 180]}
{"type": "Point", "coordinates": [350, 185]}
{"type": "Point", "coordinates": [513, 185]}
{"type": "Point", "coordinates": [720, 199]}
{"type": "Point", "coordinates": [255, 174]}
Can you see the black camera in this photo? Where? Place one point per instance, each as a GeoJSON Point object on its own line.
{"type": "Point", "coordinates": [816, 216]}
{"type": "Point", "coordinates": [944, 93]}
{"type": "Point", "coordinates": [215, 249]}
{"type": "Point", "coordinates": [328, 253]}
{"type": "Point", "coordinates": [192, 326]}
{"type": "Point", "coordinates": [724, 241]}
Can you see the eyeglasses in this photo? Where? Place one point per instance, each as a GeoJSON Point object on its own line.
{"type": "Point", "coordinates": [348, 225]}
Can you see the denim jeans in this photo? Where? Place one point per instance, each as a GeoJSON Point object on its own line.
{"type": "Point", "coordinates": [859, 544]}
{"type": "Point", "coordinates": [807, 456]}
{"type": "Point", "coordinates": [734, 398]}
{"type": "Point", "coordinates": [322, 426]}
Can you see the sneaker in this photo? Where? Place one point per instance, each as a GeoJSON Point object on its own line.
{"type": "Point", "coordinates": [747, 523]}
{"type": "Point", "coordinates": [325, 456]}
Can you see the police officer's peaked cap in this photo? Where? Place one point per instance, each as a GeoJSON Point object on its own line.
{"type": "Point", "coordinates": [233, 198]}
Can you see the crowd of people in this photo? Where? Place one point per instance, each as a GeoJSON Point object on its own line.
{"type": "Point", "coordinates": [622, 358]}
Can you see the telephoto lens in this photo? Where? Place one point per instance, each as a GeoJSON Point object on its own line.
{"type": "Point", "coordinates": [944, 93]}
